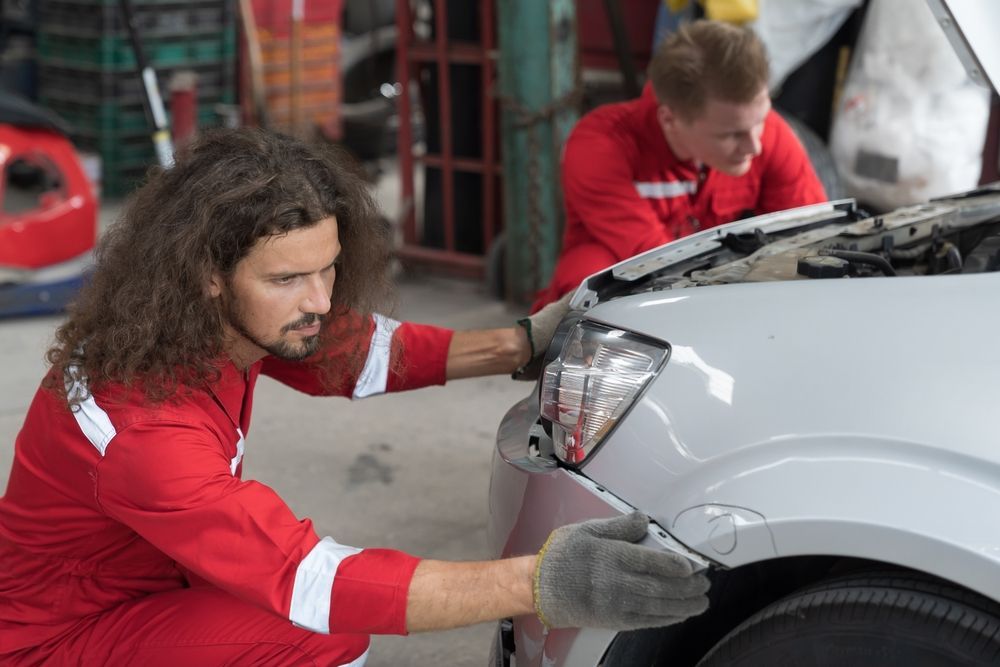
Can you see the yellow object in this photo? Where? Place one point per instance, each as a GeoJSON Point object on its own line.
{"type": "Point", "coordinates": [676, 6]}
{"type": "Point", "coordinates": [731, 11]}
{"type": "Point", "coordinates": [535, 579]}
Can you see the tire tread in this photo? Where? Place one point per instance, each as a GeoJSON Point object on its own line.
{"type": "Point", "coordinates": [961, 618]}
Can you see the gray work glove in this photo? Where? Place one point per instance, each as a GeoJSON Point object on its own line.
{"type": "Point", "coordinates": [541, 327]}
{"type": "Point", "coordinates": [592, 574]}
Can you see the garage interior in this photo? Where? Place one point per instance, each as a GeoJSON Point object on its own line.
{"type": "Point", "coordinates": [456, 110]}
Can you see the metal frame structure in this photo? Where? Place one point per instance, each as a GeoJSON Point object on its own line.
{"type": "Point", "coordinates": [411, 52]}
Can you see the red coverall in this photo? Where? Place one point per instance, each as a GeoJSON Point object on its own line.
{"type": "Point", "coordinates": [625, 192]}
{"type": "Point", "coordinates": [127, 535]}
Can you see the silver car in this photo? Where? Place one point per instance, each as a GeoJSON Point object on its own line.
{"type": "Point", "coordinates": [807, 405]}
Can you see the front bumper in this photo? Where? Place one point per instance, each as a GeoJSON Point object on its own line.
{"type": "Point", "coordinates": [530, 496]}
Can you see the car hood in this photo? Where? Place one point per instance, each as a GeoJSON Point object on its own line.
{"type": "Point", "coordinates": [970, 26]}
{"type": "Point", "coordinates": [948, 235]}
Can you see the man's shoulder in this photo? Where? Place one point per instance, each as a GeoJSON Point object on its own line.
{"type": "Point", "coordinates": [129, 404]}
{"type": "Point", "coordinates": [616, 122]}
{"type": "Point", "coordinates": [776, 130]}
{"type": "Point", "coordinates": [780, 148]}
{"type": "Point", "coordinates": [610, 134]}
{"type": "Point", "coordinates": [78, 428]}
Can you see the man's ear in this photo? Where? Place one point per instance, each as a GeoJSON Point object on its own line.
{"type": "Point", "coordinates": [666, 116]}
{"type": "Point", "coordinates": [214, 286]}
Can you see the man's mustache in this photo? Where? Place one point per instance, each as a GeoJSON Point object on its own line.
{"type": "Point", "coordinates": [306, 320]}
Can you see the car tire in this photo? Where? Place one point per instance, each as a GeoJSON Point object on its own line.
{"type": "Point", "coordinates": [867, 620]}
{"type": "Point", "coordinates": [819, 156]}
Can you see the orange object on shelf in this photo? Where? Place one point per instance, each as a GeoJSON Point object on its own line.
{"type": "Point", "coordinates": [312, 74]}
{"type": "Point", "coordinates": [277, 50]}
{"type": "Point", "coordinates": [302, 76]}
{"type": "Point", "coordinates": [317, 100]}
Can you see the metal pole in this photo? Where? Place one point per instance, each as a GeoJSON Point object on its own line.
{"type": "Point", "coordinates": [255, 61]}
{"type": "Point", "coordinates": [539, 84]}
{"type": "Point", "coordinates": [487, 33]}
{"type": "Point", "coordinates": [441, 43]}
{"type": "Point", "coordinates": [152, 100]}
{"type": "Point", "coordinates": [622, 49]}
{"type": "Point", "coordinates": [404, 26]}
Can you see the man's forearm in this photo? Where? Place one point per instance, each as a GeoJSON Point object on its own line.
{"type": "Point", "coordinates": [447, 595]}
{"type": "Point", "coordinates": [487, 352]}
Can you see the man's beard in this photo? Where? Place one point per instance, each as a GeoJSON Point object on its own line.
{"type": "Point", "coordinates": [280, 348]}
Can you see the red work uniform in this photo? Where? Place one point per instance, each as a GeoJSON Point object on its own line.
{"type": "Point", "coordinates": [127, 535]}
{"type": "Point", "coordinates": [626, 192]}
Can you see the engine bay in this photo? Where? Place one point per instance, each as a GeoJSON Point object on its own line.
{"type": "Point", "coordinates": [948, 236]}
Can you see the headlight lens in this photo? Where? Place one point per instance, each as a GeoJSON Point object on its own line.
{"type": "Point", "coordinates": [591, 384]}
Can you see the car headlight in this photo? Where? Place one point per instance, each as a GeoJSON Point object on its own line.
{"type": "Point", "coordinates": [592, 383]}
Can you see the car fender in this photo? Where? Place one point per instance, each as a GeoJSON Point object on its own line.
{"type": "Point", "coordinates": [893, 502]}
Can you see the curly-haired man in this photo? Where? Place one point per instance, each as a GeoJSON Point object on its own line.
{"type": "Point", "coordinates": [127, 534]}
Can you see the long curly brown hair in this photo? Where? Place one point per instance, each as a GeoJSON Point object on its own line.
{"type": "Point", "coordinates": [145, 316]}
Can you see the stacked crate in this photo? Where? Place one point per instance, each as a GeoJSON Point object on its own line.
{"type": "Point", "coordinates": [318, 58]}
{"type": "Point", "coordinates": [87, 72]}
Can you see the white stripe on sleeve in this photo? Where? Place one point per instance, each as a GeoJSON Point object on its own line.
{"type": "Point", "coordinates": [95, 424]}
{"type": "Point", "coordinates": [665, 189]}
{"type": "Point", "coordinates": [240, 447]}
{"type": "Point", "coordinates": [92, 420]}
{"type": "Point", "coordinates": [310, 608]}
{"type": "Point", "coordinates": [375, 375]}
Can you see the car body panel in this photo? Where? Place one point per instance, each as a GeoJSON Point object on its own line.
{"type": "Point", "coordinates": [789, 456]}
{"type": "Point", "coordinates": [833, 463]}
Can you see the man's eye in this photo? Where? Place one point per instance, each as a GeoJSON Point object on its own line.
{"type": "Point", "coordinates": [283, 280]}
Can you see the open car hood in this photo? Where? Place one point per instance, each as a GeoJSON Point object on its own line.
{"type": "Point", "coordinates": [957, 234]}
{"type": "Point", "coordinates": [971, 27]}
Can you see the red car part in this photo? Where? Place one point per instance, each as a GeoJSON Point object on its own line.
{"type": "Point", "coordinates": [63, 225]}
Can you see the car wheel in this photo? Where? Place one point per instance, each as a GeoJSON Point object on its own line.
{"type": "Point", "coordinates": [819, 156]}
{"type": "Point", "coordinates": [867, 620]}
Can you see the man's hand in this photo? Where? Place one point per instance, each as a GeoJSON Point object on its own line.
{"type": "Point", "coordinates": [540, 328]}
{"type": "Point", "coordinates": [589, 574]}
{"type": "Point", "coordinates": [592, 574]}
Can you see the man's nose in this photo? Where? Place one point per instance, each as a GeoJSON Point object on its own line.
{"type": "Point", "coordinates": [318, 297]}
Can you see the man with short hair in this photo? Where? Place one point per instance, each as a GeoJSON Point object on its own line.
{"type": "Point", "coordinates": [127, 534]}
{"type": "Point", "coordinates": [699, 148]}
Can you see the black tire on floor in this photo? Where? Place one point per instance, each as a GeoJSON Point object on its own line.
{"type": "Point", "coordinates": [819, 156]}
{"type": "Point", "coordinates": [871, 620]}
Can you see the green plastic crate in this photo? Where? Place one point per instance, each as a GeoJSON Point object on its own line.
{"type": "Point", "coordinates": [72, 84]}
{"type": "Point", "coordinates": [156, 20]}
{"type": "Point", "coordinates": [113, 120]}
{"type": "Point", "coordinates": [137, 4]}
{"type": "Point", "coordinates": [114, 53]}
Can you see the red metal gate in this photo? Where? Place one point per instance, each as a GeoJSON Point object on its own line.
{"type": "Point", "coordinates": [414, 56]}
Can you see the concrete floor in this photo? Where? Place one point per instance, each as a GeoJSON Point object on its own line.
{"type": "Point", "coordinates": [408, 471]}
